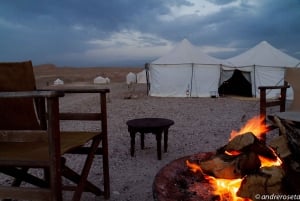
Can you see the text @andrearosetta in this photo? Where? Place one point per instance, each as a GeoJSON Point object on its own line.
{"type": "Point", "coordinates": [277, 197]}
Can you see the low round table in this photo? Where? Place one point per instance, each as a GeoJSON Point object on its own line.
{"type": "Point", "coordinates": [157, 126]}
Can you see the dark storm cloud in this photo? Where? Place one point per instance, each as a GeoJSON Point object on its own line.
{"type": "Point", "coordinates": [65, 32]}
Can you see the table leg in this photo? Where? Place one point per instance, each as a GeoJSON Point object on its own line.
{"type": "Point", "coordinates": [166, 131]}
{"type": "Point", "coordinates": [142, 140]}
{"type": "Point", "coordinates": [158, 141]}
{"type": "Point", "coordinates": [132, 143]}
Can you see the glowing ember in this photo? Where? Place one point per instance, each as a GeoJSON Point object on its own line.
{"type": "Point", "coordinates": [225, 188]}
{"type": "Point", "coordinates": [228, 188]}
{"type": "Point", "coordinates": [265, 162]}
{"type": "Point", "coordinates": [255, 125]}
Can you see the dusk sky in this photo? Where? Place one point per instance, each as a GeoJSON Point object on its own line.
{"type": "Point", "coordinates": [133, 32]}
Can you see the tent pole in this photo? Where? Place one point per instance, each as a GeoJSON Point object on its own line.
{"type": "Point", "coordinates": [254, 80]}
{"type": "Point", "coordinates": [147, 77]}
{"type": "Point", "coordinates": [192, 80]}
{"type": "Point", "coordinates": [221, 73]}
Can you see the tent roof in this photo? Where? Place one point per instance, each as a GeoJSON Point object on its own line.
{"type": "Point", "coordinates": [185, 52]}
{"type": "Point", "coordinates": [264, 54]}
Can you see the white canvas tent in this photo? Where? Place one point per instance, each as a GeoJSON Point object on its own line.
{"type": "Point", "coordinates": [101, 80]}
{"type": "Point", "coordinates": [58, 82]}
{"type": "Point", "coordinates": [262, 65]}
{"type": "Point", "coordinates": [141, 77]}
{"type": "Point", "coordinates": [131, 78]}
{"type": "Point", "coordinates": [184, 72]}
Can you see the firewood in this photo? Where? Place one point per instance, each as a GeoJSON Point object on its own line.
{"type": "Point", "coordinates": [291, 131]}
{"type": "Point", "coordinates": [267, 181]}
{"type": "Point", "coordinates": [241, 142]}
{"type": "Point", "coordinates": [220, 168]}
{"type": "Point", "coordinates": [231, 167]}
{"type": "Point", "coordinates": [248, 142]}
{"type": "Point", "coordinates": [249, 163]}
{"type": "Point", "coordinates": [280, 146]}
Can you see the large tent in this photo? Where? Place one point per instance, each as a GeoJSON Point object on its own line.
{"type": "Point", "coordinates": [262, 65]}
{"type": "Point", "coordinates": [185, 72]}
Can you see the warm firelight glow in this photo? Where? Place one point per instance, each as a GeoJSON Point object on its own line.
{"type": "Point", "coordinates": [227, 188]}
{"type": "Point", "coordinates": [255, 125]}
{"type": "Point", "coordinates": [265, 162]}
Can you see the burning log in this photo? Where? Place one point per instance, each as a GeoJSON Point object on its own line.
{"type": "Point", "coordinates": [238, 158]}
{"type": "Point", "coordinates": [230, 167]}
{"type": "Point", "coordinates": [280, 145]}
{"type": "Point", "coordinates": [248, 142]}
{"type": "Point", "coordinates": [240, 170]}
{"type": "Point", "coordinates": [287, 146]}
{"type": "Point", "coordinates": [267, 181]}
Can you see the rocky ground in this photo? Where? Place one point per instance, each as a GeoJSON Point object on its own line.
{"type": "Point", "coordinates": [201, 125]}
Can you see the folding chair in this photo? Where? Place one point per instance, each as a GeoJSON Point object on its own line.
{"type": "Point", "coordinates": [31, 137]}
{"type": "Point", "coordinates": [291, 78]}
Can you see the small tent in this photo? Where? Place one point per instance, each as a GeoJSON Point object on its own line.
{"type": "Point", "coordinates": [184, 72]}
{"type": "Point", "coordinates": [101, 80]}
{"type": "Point", "coordinates": [131, 78]}
{"type": "Point", "coordinates": [262, 65]}
{"type": "Point", "coordinates": [58, 82]}
{"type": "Point", "coordinates": [141, 77]}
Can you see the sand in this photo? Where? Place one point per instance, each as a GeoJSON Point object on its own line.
{"type": "Point", "coordinates": [201, 125]}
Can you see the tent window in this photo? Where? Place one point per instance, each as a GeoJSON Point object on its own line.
{"type": "Point", "coordinates": [236, 85]}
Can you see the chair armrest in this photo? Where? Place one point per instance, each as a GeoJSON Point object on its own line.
{"type": "Point", "coordinates": [88, 116]}
{"type": "Point", "coordinates": [31, 94]}
{"type": "Point", "coordinates": [265, 103]}
{"type": "Point", "coordinates": [84, 90]}
{"type": "Point", "coordinates": [273, 87]}
{"type": "Point", "coordinates": [78, 89]}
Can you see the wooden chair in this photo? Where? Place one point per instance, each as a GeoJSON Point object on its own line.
{"type": "Point", "coordinates": [31, 137]}
{"type": "Point", "coordinates": [291, 79]}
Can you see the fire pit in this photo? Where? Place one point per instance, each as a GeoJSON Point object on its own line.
{"type": "Point", "coordinates": [242, 170]}
{"type": "Point", "coordinates": [176, 182]}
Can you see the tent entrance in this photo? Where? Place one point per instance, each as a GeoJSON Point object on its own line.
{"type": "Point", "coordinates": [236, 85]}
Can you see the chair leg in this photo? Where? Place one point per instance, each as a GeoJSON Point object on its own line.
{"type": "Point", "coordinates": [18, 181]}
{"type": "Point", "coordinates": [86, 169]}
{"type": "Point", "coordinates": [75, 177]}
{"type": "Point", "coordinates": [106, 175]}
{"type": "Point", "coordinates": [24, 176]}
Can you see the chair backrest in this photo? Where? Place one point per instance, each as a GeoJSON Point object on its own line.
{"type": "Point", "coordinates": [292, 76]}
{"type": "Point", "coordinates": [17, 114]}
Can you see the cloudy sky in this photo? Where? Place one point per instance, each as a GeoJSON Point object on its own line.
{"type": "Point", "coordinates": [132, 32]}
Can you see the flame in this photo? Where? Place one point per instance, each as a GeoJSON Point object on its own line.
{"type": "Point", "coordinates": [265, 162]}
{"type": "Point", "coordinates": [225, 188]}
{"type": "Point", "coordinates": [255, 125]}
{"type": "Point", "coordinates": [233, 153]}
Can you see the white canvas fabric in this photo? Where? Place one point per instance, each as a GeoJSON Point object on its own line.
{"type": "Point", "coordinates": [130, 78]}
{"type": "Point", "coordinates": [141, 77]}
{"type": "Point", "coordinates": [58, 82]}
{"type": "Point", "coordinates": [266, 65]}
{"type": "Point", "coordinates": [101, 80]}
{"type": "Point", "coordinates": [185, 72]}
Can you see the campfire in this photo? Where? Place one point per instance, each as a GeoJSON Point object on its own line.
{"type": "Point", "coordinates": [244, 169]}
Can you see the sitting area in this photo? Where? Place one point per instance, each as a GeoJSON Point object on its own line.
{"type": "Point", "coordinates": [31, 138]}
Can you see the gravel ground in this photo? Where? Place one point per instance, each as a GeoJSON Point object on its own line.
{"type": "Point", "coordinates": [201, 125]}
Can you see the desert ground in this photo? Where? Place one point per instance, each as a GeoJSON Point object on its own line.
{"type": "Point", "coordinates": [201, 125]}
